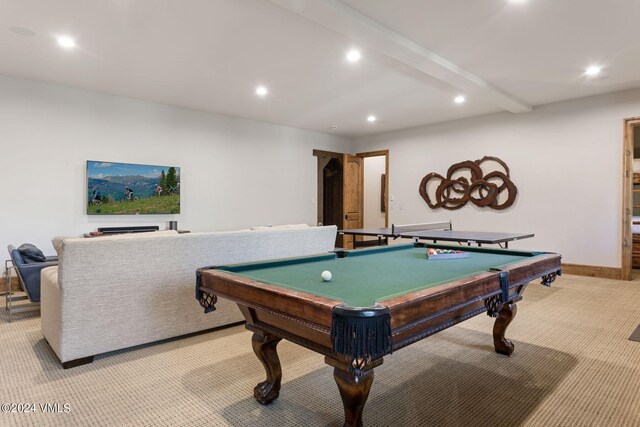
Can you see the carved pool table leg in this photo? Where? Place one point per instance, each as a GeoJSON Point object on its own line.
{"type": "Point", "coordinates": [264, 346]}
{"type": "Point", "coordinates": [354, 391]}
{"type": "Point", "coordinates": [505, 316]}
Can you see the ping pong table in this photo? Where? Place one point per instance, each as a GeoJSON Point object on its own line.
{"type": "Point", "coordinates": [442, 231]}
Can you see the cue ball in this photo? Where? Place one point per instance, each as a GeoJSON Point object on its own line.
{"type": "Point", "coordinates": [326, 276]}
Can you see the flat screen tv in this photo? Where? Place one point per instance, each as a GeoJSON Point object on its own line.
{"type": "Point", "coordinates": [131, 189]}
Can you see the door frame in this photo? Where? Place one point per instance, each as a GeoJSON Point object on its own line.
{"type": "Point", "coordinates": [378, 153]}
{"type": "Point", "coordinates": [630, 125]}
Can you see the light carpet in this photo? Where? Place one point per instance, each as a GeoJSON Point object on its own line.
{"type": "Point", "coordinates": [573, 365]}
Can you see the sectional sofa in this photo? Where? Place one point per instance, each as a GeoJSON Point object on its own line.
{"type": "Point", "coordinates": [115, 292]}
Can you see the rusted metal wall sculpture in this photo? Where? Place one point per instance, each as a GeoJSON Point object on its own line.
{"type": "Point", "coordinates": [483, 190]}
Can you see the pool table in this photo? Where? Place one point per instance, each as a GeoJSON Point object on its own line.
{"type": "Point", "coordinates": [378, 301]}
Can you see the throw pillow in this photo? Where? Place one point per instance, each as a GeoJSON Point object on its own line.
{"type": "Point", "coordinates": [31, 254]}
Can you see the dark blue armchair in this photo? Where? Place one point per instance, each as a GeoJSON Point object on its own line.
{"type": "Point", "coordinates": [28, 270]}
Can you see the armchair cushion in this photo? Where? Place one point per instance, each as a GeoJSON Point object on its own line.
{"type": "Point", "coordinates": [30, 253]}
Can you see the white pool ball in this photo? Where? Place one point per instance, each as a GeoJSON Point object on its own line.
{"type": "Point", "coordinates": [326, 275]}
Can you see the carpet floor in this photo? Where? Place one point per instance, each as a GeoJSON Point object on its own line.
{"type": "Point", "coordinates": [573, 365]}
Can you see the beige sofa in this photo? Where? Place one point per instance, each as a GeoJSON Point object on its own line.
{"type": "Point", "coordinates": [114, 292]}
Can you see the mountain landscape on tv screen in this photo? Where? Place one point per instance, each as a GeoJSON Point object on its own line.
{"type": "Point", "coordinates": [114, 185]}
{"type": "Point", "coordinates": [131, 189]}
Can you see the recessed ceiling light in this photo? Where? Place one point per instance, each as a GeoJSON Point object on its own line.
{"type": "Point", "coordinates": [371, 118]}
{"type": "Point", "coordinates": [517, 1]}
{"type": "Point", "coordinates": [21, 31]}
{"type": "Point", "coordinates": [593, 70]}
{"type": "Point", "coordinates": [333, 127]}
{"type": "Point", "coordinates": [261, 91]}
{"type": "Point", "coordinates": [66, 42]}
{"type": "Point", "coordinates": [353, 55]}
{"type": "Point", "coordinates": [459, 99]}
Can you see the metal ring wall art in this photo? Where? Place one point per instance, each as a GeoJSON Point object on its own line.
{"type": "Point", "coordinates": [493, 189]}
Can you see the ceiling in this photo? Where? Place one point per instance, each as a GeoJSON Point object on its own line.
{"type": "Point", "coordinates": [417, 55]}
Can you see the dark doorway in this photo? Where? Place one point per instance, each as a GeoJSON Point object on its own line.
{"type": "Point", "coordinates": [330, 190]}
{"type": "Point", "coordinates": [332, 183]}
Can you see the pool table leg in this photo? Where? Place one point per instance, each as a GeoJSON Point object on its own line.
{"type": "Point", "coordinates": [505, 316]}
{"type": "Point", "coordinates": [264, 346]}
{"type": "Point", "coordinates": [354, 390]}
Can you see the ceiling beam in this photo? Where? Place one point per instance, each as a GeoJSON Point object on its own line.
{"type": "Point", "coordinates": [369, 33]}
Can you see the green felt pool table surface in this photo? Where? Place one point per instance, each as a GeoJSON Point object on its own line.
{"type": "Point", "coordinates": [367, 276]}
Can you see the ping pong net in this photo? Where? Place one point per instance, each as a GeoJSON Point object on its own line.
{"type": "Point", "coordinates": [397, 230]}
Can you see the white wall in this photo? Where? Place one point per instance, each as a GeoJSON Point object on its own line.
{"type": "Point", "coordinates": [235, 173]}
{"type": "Point", "coordinates": [565, 159]}
{"type": "Point", "coordinates": [374, 167]}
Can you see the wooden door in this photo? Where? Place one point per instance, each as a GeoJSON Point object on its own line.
{"type": "Point", "coordinates": [352, 202]}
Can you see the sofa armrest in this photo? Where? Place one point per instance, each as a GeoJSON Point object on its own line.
{"type": "Point", "coordinates": [49, 277]}
{"type": "Point", "coordinates": [51, 309]}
